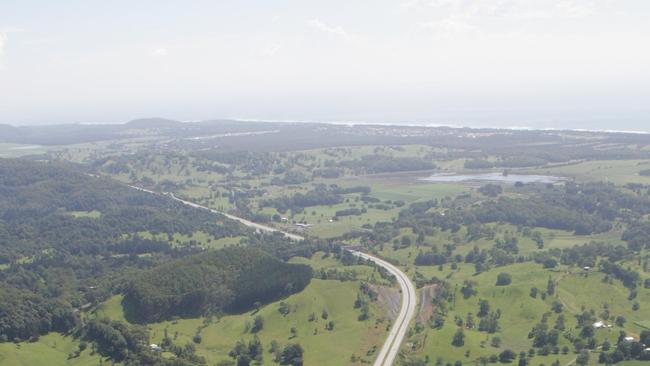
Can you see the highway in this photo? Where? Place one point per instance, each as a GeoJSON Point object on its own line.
{"type": "Point", "coordinates": [254, 225]}
{"type": "Point", "coordinates": [390, 349]}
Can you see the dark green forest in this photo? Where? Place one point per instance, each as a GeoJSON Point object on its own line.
{"type": "Point", "coordinates": [230, 279]}
{"type": "Point", "coordinates": [55, 263]}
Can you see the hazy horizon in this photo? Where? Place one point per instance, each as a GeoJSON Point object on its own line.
{"type": "Point", "coordinates": [507, 63]}
{"type": "Point", "coordinates": [602, 126]}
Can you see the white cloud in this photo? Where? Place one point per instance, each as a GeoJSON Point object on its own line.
{"type": "Point", "coordinates": [336, 31]}
{"type": "Point", "coordinates": [160, 52]}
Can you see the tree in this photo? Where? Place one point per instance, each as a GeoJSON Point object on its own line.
{"type": "Point", "coordinates": [605, 346]}
{"type": "Point", "coordinates": [255, 349]}
{"type": "Point", "coordinates": [284, 308]}
{"type": "Point", "coordinates": [557, 306]}
{"type": "Point", "coordinates": [507, 356]}
{"type": "Point", "coordinates": [292, 355]}
{"type": "Point", "coordinates": [583, 358]}
{"type": "Point", "coordinates": [491, 190]}
{"type": "Point", "coordinates": [469, 289]}
{"type": "Point", "coordinates": [330, 325]}
{"type": "Point", "coordinates": [274, 347]}
{"type": "Point", "coordinates": [496, 342]}
{"type": "Point", "coordinates": [437, 321]}
{"type": "Point", "coordinates": [504, 279]}
{"type": "Point", "coordinates": [550, 286]}
{"type": "Point", "coordinates": [620, 320]}
{"type": "Point", "coordinates": [645, 337]}
{"type": "Point", "coordinates": [243, 360]}
{"type": "Point", "coordinates": [258, 324]}
{"type": "Point", "coordinates": [523, 361]}
{"type": "Point", "coordinates": [484, 308]}
{"type": "Point", "coordinates": [459, 338]}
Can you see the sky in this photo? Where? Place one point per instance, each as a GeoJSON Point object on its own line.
{"type": "Point", "coordinates": [581, 64]}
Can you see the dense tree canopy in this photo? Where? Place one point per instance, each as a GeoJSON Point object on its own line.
{"type": "Point", "coordinates": [231, 279]}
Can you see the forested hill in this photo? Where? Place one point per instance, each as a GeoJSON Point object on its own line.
{"type": "Point", "coordinates": [68, 239]}
{"type": "Point", "coordinates": [231, 279]}
{"type": "Point", "coordinates": [56, 206]}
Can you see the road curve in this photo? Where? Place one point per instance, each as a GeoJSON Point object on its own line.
{"type": "Point", "coordinates": [391, 346]}
{"type": "Point", "coordinates": [388, 353]}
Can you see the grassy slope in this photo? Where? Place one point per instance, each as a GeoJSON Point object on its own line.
{"type": "Point", "coordinates": [51, 350]}
{"type": "Point", "coordinates": [521, 312]}
{"type": "Point", "coordinates": [349, 336]}
{"type": "Point", "coordinates": [615, 171]}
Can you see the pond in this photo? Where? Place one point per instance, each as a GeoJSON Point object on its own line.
{"type": "Point", "coordinates": [492, 177]}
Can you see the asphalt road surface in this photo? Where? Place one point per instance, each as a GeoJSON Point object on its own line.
{"type": "Point", "coordinates": [388, 353]}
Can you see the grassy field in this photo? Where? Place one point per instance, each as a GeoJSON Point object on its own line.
{"type": "Point", "coordinates": [322, 347]}
{"type": "Point", "coordinates": [8, 150]}
{"type": "Point", "coordinates": [553, 239]}
{"type": "Point", "coordinates": [615, 171]}
{"type": "Point", "coordinates": [94, 214]}
{"type": "Point", "coordinates": [198, 238]}
{"type": "Point", "coordinates": [52, 350]}
{"type": "Point", "coordinates": [520, 312]}
{"type": "Point", "coordinates": [408, 191]}
{"type": "Point", "coordinates": [576, 291]}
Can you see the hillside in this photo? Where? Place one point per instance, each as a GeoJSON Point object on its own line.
{"type": "Point", "coordinates": [231, 279]}
{"type": "Point", "coordinates": [63, 237]}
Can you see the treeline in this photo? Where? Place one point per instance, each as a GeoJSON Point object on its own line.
{"type": "Point", "coordinates": [27, 315]}
{"type": "Point", "coordinates": [637, 236]}
{"type": "Point", "coordinates": [254, 163]}
{"type": "Point", "coordinates": [129, 345]}
{"type": "Point", "coordinates": [583, 209]}
{"type": "Point", "coordinates": [36, 200]}
{"type": "Point", "coordinates": [507, 162]}
{"type": "Point", "coordinates": [369, 164]}
{"type": "Point", "coordinates": [297, 202]}
{"type": "Point", "coordinates": [227, 280]}
{"type": "Point", "coordinates": [321, 195]}
{"type": "Point", "coordinates": [538, 213]}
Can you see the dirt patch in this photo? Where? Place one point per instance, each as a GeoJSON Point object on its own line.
{"type": "Point", "coordinates": [426, 306]}
{"type": "Point", "coordinates": [389, 299]}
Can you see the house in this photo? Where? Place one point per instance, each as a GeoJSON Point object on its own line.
{"type": "Point", "coordinates": [629, 339]}
{"type": "Point", "coordinates": [155, 347]}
